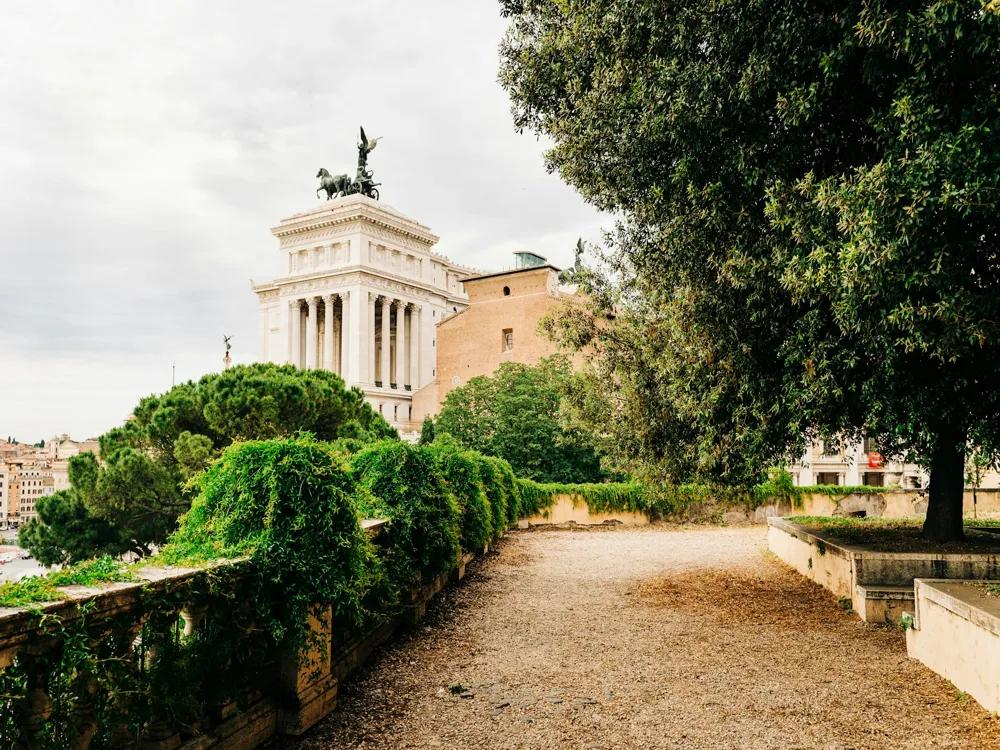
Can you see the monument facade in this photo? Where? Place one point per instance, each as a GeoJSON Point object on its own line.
{"type": "Point", "coordinates": [360, 294]}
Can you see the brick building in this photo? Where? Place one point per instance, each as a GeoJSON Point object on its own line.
{"type": "Point", "coordinates": [499, 325]}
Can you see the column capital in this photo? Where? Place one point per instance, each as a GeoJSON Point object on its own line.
{"type": "Point", "coordinates": [295, 303]}
{"type": "Point", "coordinates": [312, 302]}
{"type": "Point", "coordinates": [329, 298]}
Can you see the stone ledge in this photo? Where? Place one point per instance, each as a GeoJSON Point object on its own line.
{"type": "Point", "coordinates": [962, 598]}
{"type": "Point", "coordinates": [956, 633]}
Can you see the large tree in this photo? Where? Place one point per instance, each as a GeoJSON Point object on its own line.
{"type": "Point", "coordinates": [514, 414]}
{"type": "Point", "coordinates": [808, 242]}
{"type": "Point", "coordinates": [130, 498]}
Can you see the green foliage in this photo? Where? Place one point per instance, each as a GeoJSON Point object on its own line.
{"type": "Point", "coordinates": [426, 431]}
{"type": "Point", "coordinates": [403, 484]}
{"type": "Point", "coordinates": [65, 532]}
{"type": "Point", "coordinates": [496, 497]}
{"type": "Point", "coordinates": [192, 453]}
{"type": "Point", "coordinates": [809, 199]}
{"type": "Point", "coordinates": [504, 476]}
{"type": "Point", "coordinates": [461, 471]}
{"type": "Point", "coordinates": [140, 485]}
{"type": "Point", "coordinates": [37, 589]}
{"type": "Point", "coordinates": [514, 414]}
{"type": "Point", "coordinates": [288, 505]}
{"type": "Point", "coordinates": [599, 498]}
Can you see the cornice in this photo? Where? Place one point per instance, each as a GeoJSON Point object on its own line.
{"type": "Point", "coordinates": [355, 209]}
{"type": "Point", "coordinates": [357, 274]}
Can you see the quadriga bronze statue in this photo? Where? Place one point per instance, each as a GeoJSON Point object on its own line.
{"type": "Point", "coordinates": [334, 185]}
{"type": "Point", "coordinates": [341, 184]}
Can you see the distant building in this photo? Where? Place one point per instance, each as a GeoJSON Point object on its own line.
{"type": "Point", "coordinates": [360, 292]}
{"type": "Point", "coordinates": [499, 325]}
{"type": "Point", "coordinates": [62, 447]}
{"type": "Point", "coordinates": [32, 473]}
{"type": "Point", "coordinates": [854, 464]}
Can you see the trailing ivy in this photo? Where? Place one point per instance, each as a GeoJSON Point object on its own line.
{"type": "Point", "coordinates": [461, 471]}
{"type": "Point", "coordinates": [403, 484]}
{"type": "Point", "coordinates": [288, 506]}
{"type": "Point", "coordinates": [511, 489]}
{"type": "Point", "coordinates": [496, 497]}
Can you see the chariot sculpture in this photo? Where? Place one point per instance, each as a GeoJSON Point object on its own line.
{"type": "Point", "coordinates": [341, 184]}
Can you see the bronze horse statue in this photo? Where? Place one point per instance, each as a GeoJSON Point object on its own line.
{"type": "Point", "coordinates": [334, 185]}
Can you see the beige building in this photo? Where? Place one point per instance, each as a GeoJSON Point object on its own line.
{"type": "Point", "coordinates": [60, 447]}
{"type": "Point", "coordinates": [360, 294]}
{"type": "Point", "coordinates": [499, 325]}
{"type": "Point", "coordinates": [854, 464]}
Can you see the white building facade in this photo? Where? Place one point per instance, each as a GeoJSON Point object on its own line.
{"type": "Point", "coordinates": [853, 464]}
{"type": "Point", "coordinates": [360, 296]}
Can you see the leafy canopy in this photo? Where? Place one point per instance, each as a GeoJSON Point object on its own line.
{"type": "Point", "coordinates": [515, 414]}
{"type": "Point", "coordinates": [140, 485]}
{"type": "Point", "coordinates": [808, 242]}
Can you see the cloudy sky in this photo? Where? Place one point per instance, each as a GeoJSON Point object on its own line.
{"type": "Point", "coordinates": [146, 148]}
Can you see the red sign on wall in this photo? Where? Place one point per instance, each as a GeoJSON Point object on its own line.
{"type": "Point", "coordinates": [875, 460]}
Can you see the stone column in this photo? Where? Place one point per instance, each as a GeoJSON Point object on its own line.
{"type": "Point", "coordinates": [386, 312]}
{"type": "Point", "coordinates": [371, 376]}
{"type": "Point", "coordinates": [345, 337]}
{"type": "Point", "coordinates": [312, 334]}
{"type": "Point", "coordinates": [328, 316]}
{"type": "Point", "coordinates": [415, 347]}
{"type": "Point", "coordinates": [400, 374]}
{"type": "Point", "coordinates": [295, 313]}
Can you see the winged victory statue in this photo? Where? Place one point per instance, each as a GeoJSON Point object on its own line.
{"type": "Point", "coordinates": [341, 184]}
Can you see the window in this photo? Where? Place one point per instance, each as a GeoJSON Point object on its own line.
{"type": "Point", "coordinates": [870, 446]}
{"type": "Point", "coordinates": [827, 477]}
{"type": "Point", "coordinates": [874, 479]}
{"type": "Point", "coordinates": [506, 291]}
{"type": "Point", "coordinates": [508, 339]}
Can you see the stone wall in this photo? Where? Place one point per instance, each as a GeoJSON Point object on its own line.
{"type": "Point", "coordinates": [569, 509]}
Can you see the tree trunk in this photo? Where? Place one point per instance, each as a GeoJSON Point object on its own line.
{"type": "Point", "coordinates": [944, 505]}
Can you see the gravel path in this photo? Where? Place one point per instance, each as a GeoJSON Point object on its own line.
{"type": "Point", "coordinates": [651, 638]}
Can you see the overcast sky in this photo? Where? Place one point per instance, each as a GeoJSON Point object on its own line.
{"type": "Point", "coordinates": [146, 149]}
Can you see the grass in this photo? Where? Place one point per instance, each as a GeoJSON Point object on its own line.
{"type": "Point", "coordinates": [899, 534]}
{"type": "Point", "coordinates": [39, 589]}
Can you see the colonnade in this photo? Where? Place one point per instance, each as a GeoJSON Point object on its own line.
{"type": "Point", "coordinates": [389, 340]}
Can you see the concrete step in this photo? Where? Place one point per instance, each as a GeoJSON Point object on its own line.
{"type": "Point", "coordinates": [882, 604]}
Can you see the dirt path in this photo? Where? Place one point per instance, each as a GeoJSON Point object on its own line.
{"type": "Point", "coordinates": [653, 638]}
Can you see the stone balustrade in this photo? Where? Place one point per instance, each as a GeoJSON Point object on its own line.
{"type": "Point", "coordinates": [108, 667]}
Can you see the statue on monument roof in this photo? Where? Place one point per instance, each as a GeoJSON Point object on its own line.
{"type": "Point", "coordinates": [569, 276]}
{"type": "Point", "coordinates": [341, 184]}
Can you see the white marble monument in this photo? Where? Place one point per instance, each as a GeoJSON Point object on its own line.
{"type": "Point", "coordinates": [361, 293]}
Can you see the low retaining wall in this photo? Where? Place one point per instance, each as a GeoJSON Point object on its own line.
{"type": "Point", "coordinates": [889, 503]}
{"type": "Point", "coordinates": [291, 695]}
{"type": "Point", "coordinates": [956, 632]}
{"type": "Point", "coordinates": [879, 584]}
{"type": "Point", "coordinates": [573, 509]}
{"type": "Point", "coordinates": [829, 565]}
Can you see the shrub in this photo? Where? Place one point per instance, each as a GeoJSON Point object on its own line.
{"type": "Point", "coordinates": [461, 471]}
{"type": "Point", "coordinates": [406, 487]}
{"type": "Point", "coordinates": [288, 506]}
{"type": "Point", "coordinates": [511, 490]}
{"type": "Point", "coordinates": [496, 498]}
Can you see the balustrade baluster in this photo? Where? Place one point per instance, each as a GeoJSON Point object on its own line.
{"type": "Point", "coordinates": [36, 706]}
